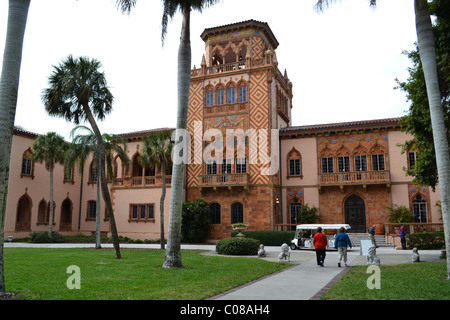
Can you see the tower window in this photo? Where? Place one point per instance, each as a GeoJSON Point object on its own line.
{"type": "Point", "coordinates": [242, 94]}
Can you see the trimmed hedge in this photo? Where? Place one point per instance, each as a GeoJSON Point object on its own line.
{"type": "Point", "coordinates": [426, 240]}
{"type": "Point", "coordinates": [238, 246]}
{"type": "Point", "coordinates": [269, 238]}
{"type": "Point", "coordinates": [42, 237]}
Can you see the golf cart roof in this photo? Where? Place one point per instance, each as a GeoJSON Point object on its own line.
{"type": "Point", "coordinates": [323, 226]}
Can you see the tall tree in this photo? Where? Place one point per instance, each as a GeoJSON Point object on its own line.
{"type": "Point", "coordinates": [9, 87]}
{"type": "Point", "coordinates": [84, 145]}
{"type": "Point", "coordinates": [172, 258]}
{"type": "Point", "coordinates": [50, 149]}
{"type": "Point", "coordinates": [427, 52]}
{"type": "Point", "coordinates": [418, 121]}
{"type": "Point", "coordinates": [157, 152]}
{"type": "Point", "coordinates": [78, 91]}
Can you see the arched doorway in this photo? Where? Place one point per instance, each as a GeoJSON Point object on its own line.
{"type": "Point", "coordinates": [66, 215]}
{"type": "Point", "coordinates": [355, 213]}
{"type": "Point", "coordinates": [23, 221]}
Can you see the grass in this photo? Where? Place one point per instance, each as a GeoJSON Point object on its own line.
{"type": "Point", "coordinates": [418, 281]}
{"type": "Point", "coordinates": [41, 274]}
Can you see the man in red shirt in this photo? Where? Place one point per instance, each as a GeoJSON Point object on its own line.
{"type": "Point", "coordinates": [320, 242]}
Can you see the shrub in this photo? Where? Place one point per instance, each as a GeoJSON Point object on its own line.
{"type": "Point", "coordinates": [426, 240]}
{"type": "Point", "coordinates": [269, 238]}
{"type": "Point", "coordinates": [196, 221]}
{"type": "Point", "coordinates": [238, 246]}
{"type": "Point", "coordinates": [399, 214]}
{"type": "Point", "coordinates": [42, 237]}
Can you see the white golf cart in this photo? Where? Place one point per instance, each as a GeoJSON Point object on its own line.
{"type": "Point", "coordinates": [304, 233]}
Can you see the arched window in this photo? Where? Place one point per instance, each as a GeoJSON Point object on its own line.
{"type": "Point", "coordinates": [231, 93]}
{"type": "Point", "coordinates": [137, 169]}
{"type": "Point", "coordinates": [27, 164]}
{"type": "Point", "coordinates": [42, 217]}
{"type": "Point", "coordinates": [242, 93]}
{"type": "Point", "coordinates": [215, 213]}
{"type": "Point", "coordinates": [220, 95]}
{"type": "Point", "coordinates": [294, 164]}
{"type": "Point", "coordinates": [237, 213]}
{"type": "Point", "coordinates": [92, 172]}
{"type": "Point", "coordinates": [420, 209]}
{"type": "Point", "coordinates": [66, 215]}
{"type": "Point", "coordinates": [23, 218]}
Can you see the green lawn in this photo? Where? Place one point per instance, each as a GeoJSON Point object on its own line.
{"type": "Point", "coordinates": [42, 274]}
{"type": "Point", "coordinates": [418, 281]}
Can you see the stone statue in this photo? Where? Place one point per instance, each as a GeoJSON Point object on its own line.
{"type": "Point", "coordinates": [261, 251]}
{"type": "Point", "coordinates": [415, 256]}
{"type": "Point", "coordinates": [285, 255]}
{"type": "Point", "coordinates": [372, 258]}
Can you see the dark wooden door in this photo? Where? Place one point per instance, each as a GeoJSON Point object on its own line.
{"type": "Point", "coordinates": [355, 214]}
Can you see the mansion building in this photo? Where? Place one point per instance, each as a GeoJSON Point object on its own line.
{"type": "Point", "coordinates": [351, 171]}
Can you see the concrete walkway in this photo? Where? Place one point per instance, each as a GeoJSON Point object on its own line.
{"type": "Point", "coordinates": [308, 281]}
{"type": "Point", "coordinates": [305, 280]}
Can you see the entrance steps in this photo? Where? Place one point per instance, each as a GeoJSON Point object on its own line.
{"type": "Point", "coordinates": [356, 238]}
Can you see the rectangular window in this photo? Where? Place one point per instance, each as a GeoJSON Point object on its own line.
{"type": "Point", "coordinates": [327, 165]}
{"type": "Point", "coordinates": [142, 212]}
{"type": "Point", "coordinates": [134, 211]}
{"type": "Point", "coordinates": [150, 211]}
{"type": "Point", "coordinates": [92, 209]}
{"type": "Point", "coordinates": [241, 165]}
{"type": "Point", "coordinates": [26, 166]}
{"type": "Point", "coordinates": [231, 95]}
{"type": "Point", "coordinates": [242, 94]}
{"type": "Point", "coordinates": [209, 98]}
{"type": "Point", "coordinates": [294, 167]}
{"type": "Point", "coordinates": [211, 167]}
{"type": "Point", "coordinates": [344, 164]}
{"type": "Point", "coordinates": [360, 163]}
{"type": "Point", "coordinates": [220, 97]}
{"type": "Point", "coordinates": [378, 162]}
{"type": "Point", "coordinates": [226, 166]}
{"type": "Point", "coordinates": [412, 159]}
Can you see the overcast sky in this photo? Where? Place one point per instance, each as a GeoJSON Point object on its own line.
{"type": "Point", "coordinates": [343, 62]}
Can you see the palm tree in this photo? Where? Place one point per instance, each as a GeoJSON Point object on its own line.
{"type": "Point", "coordinates": [78, 91]}
{"type": "Point", "coordinates": [172, 258]}
{"type": "Point", "coordinates": [427, 52]}
{"type": "Point", "coordinates": [9, 87]}
{"type": "Point", "coordinates": [157, 151]}
{"type": "Point", "coordinates": [83, 146]}
{"type": "Point", "coordinates": [50, 149]}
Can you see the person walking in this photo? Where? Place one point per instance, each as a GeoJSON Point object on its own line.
{"type": "Point", "coordinates": [402, 237]}
{"type": "Point", "coordinates": [341, 242]}
{"type": "Point", "coordinates": [372, 235]}
{"type": "Point", "coordinates": [320, 242]}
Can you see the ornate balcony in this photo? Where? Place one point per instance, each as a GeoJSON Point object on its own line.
{"type": "Point", "coordinates": [229, 181]}
{"type": "Point", "coordinates": [354, 178]}
{"type": "Point", "coordinates": [129, 182]}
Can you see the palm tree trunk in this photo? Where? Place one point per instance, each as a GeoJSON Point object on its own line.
{"type": "Point", "coordinates": [81, 200]}
{"type": "Point", "coordinates": [173, 252]}
{"type": "Point", "coordinates": [9, 86]}
{"type": "Point", "coordinates": [52, 209]}
{"type": "Point", "coordinates": [97, 212]}
{"type": "Point", "coordinates": [427, 53]}
{"type": "Point", "coordinates": [104, 186]}
{"type": "Point", "coordinates": [161, 202]}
